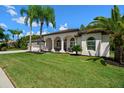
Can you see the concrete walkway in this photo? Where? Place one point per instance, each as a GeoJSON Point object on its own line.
{"type": "Point", "coordinates": [14, 51]}
{"type": "Point", "coordinates": [4, 81]}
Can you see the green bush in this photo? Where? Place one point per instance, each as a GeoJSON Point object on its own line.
{"type": "Point", "coordinates": [76, 48]}
{"type": "Point", "coordinates": [3, 48]}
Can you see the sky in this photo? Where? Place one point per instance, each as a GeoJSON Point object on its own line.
{"type": "Point", "coordinates": [67, 17]}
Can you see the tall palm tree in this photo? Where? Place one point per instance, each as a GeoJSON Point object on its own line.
{"type": "Point", "coordinates": [45, 14]}
{"type": "Point", "coordinates": [30, 16]}
{"type": "Point", "coordinates": [13, 32]}
{"type": "Point", "coordinates": [116, 24]}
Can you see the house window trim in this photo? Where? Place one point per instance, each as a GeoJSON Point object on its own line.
{"type": "Point", "coordinates": [91, 41]}
{"type": "Point", "coordinates": [72, 43]}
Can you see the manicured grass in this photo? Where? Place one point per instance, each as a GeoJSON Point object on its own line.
{"type": "Point", "coordinates": [60, 70]}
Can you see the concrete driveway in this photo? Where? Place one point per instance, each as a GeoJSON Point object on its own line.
{"type": "Point", "coordinates": [4, 81]}
{"type": "Point", "coordinates": [14, 51]}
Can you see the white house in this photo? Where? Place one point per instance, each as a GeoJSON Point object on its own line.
{"type": "Point", "coordinates": [93, 43]}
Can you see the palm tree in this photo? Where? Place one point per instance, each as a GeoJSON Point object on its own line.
{"type": "Point", "coordinates": [18, 32]}
{"type": "Point", "coordinates": [30, 16]}
{"type": "Point", "coordinates": [13, 32]}
{"type": "Point", "coordinates": [45, 14]}
{"type": "Point", "coordinates": [1, 33]}
{"type": "Point", "coordinates": [114, 24]}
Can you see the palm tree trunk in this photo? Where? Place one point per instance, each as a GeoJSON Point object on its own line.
{"type": "Point", "coordinates": [41, 26]}
{"type": "Point", "coordinates": [30, 44]}
{"type": "Point", "coordinates": [118, 53]}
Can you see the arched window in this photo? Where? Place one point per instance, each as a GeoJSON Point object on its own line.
{"type": "Point", "coordinates": [58, 43]}
{"type": "Point", "coordinates": [72, 42]}
{"type": "Point", "coordinates": [91, 43]}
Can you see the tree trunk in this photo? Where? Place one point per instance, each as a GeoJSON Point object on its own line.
{"type": "Point", "coordinates": [76, 52]}
{"type": "Point", "coordinates": [118, 53]}
{"type": "Point", "coordinates": [30, 44]}
{"type": "Point", "coordinates": [41, 26]}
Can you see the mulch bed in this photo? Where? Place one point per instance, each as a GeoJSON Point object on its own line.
{"type": "Point", "coordinates": [112, 62]}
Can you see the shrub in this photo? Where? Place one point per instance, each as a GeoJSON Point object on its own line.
{"type": "Point", "coordinates": [76, 48]}
{"type": "Point", "coordinates": [3, 49]}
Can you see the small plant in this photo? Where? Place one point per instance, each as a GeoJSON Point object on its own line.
{"type": "Point", "coordinates": [76, 48]}
{"type": "Point", "coordinates": [3, 49]}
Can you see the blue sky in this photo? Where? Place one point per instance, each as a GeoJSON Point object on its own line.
{"type": "Point", "coordinates": [66, 17]}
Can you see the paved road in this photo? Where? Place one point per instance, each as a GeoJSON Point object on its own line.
{"type": "Point", "coordinates": [14, 51]}
{"type": "Point", "coordinates": [4, 81]}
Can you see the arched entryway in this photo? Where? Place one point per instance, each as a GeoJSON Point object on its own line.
{"type": "Point", "coordinates": [65, 44]}
{"type": "Point", "coordinates": [72, 42]}
{"type": "Point", "coordinates": [57, 44]}
{"type": "Point", "coordinates": [49, 44]}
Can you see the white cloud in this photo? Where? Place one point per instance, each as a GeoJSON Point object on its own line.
{"type": "Point", "coordinates": [9, 7]}
{"type": "Point", "coordinates": [38, 33]}
{"type": "Point", "coordinates": [21, 35]}
{"type": "Point", "coordinates": [63, 27]}
{"type": "Point", "coordinates": [28, 33]}
{"type": "Point", "coordinates": [3, 25]}
{"type": "Point", "coordinates": [51, 25]}
{"type": "Point", "coordinates": [11, 12]}
{"type": "Point", "coordinates": [21, 20]}
{"type": "Point", "coordinates": [34, 24]}
{"type": "Point", "coordinates": [44, 32]}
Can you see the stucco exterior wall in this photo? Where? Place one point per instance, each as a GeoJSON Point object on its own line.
{"type": "Point", "coordinates": [101, 43]}
{"type": "Point", "coordinates": [95, 52]}
{"type": "Point", "coordinates": [105, 47]}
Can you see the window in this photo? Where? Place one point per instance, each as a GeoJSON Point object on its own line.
{"type": "Point", "coordinates": [72, 42]}
{"type": "Point", "coordinates": [58, 43]}
{"type": "Point", "coordinates": [91, 43]}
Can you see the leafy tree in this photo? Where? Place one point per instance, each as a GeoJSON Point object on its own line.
{"type": "Point", "coordinates": [22, 42]}
{"type": "Point", "coordinates": [29, 18]}
{"type": "Point", "coordinates": [76, 48]}
{"type": "Point", "coordinates": [1, 33]}
{"type": "Point", "coordinates": [44, 14]}
{"type": "Point", "coordinates": [13, 32]}
{"type": "Point", "coordinates": [82, 27]}
{"type": "Point", "coordinates": [18, 32]}
{"type": "Point", "coordinates": [115, 24]}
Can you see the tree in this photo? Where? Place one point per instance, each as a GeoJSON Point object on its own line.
{"type": "Point", "coordinates": [7, 37]}
{"type": "Point", "coordinates": [29, 18]}
{"type": "Point", "coordinates": [45, 14]}
{"type": "Point", "coordinates": [1, 33]}
{"type": "Point", "coordinates": [82, 27]}
{"type": "Point", "coordinates": [18, 32]}
{"type": "Point", "coordinates": [115, 24]}
{"type": "Point", "coordinates": [13, 32]}
{"type": "Point", "coordinates": [76, 48]}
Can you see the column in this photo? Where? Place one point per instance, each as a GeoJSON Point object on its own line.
{"type": "Point", "coordinates": [68, 43]}
{"type": "Point", "coordinates": [62, 45]}
{"type": "Point", "coordinates": [53, 50]}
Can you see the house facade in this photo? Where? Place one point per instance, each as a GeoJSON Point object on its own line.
{"type": "Point", "coordinates": [93, 43]}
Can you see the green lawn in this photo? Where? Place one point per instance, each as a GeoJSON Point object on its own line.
{"type": "Point", "coordinates": [60, 70]}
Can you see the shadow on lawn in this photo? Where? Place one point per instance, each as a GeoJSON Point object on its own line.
{"type": "Point", "coordinates": [96, 59]}
{"type": "Point", "coordinates": [106, 60]}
